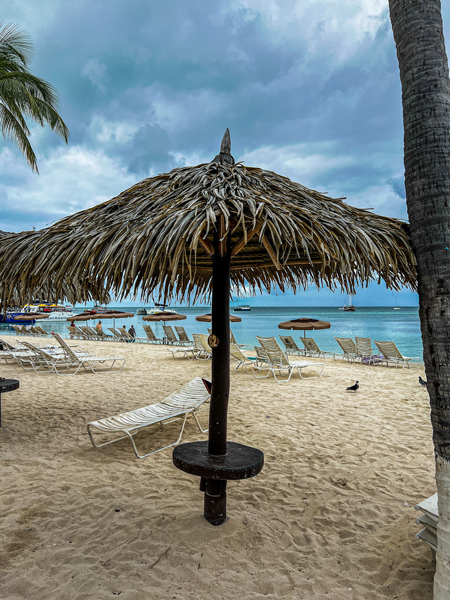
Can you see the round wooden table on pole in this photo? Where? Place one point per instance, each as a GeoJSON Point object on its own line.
{"type": "Point", "coordinates": [6, 385]}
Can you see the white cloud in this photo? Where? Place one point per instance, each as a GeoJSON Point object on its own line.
{"type": "Point", "coordinates": [106, 132]}
{"type": "Point", "coordinates": [71, 179]}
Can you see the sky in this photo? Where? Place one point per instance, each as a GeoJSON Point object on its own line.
{"type": "Point", "coordinates": [308, 88]}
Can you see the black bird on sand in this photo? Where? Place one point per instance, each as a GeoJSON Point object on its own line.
{"type": "Point", "coordinates": [422, 382]}
{"type": "Point", "coordinates": [353, 388]}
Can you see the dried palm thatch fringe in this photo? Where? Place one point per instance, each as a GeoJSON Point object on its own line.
{"type": "Point", "coordinates": [44, 289]}
{"type": "Point", "coordinates": [159, 234]}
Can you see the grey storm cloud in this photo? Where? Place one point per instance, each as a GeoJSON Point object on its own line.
{"type": "Point", "coordinates": [148, 86]}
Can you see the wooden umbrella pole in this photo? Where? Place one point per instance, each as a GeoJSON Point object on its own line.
{"type": "Point", "coordinates": [215, 490]}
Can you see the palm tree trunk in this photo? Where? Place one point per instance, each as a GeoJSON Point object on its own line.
{"type": "Point", "coordinates": [419, 38]}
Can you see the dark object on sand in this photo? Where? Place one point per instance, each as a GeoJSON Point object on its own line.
{"type": "Point", "coordinates": [422, 382]}
{"type": "Point", "coordinates": [353, 388]}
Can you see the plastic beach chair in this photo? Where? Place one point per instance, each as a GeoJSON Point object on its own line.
{"type": "Point", "coordinates": [312, 349]}
{"type": "Point", "coordinates": [178, 406]}
{"type": "Point", "coordinates": [391, 354]}
{"type": "Point", "coordinates": [349, 348]}
{"type": "Point", "coordinates": [278, 361]}
{"type": "Point", "coordinates": [291, 346]}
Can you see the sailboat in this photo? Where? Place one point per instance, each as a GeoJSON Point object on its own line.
{"type": "Point", "coordinates": [349, 307]}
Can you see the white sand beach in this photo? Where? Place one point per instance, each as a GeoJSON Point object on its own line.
{"type": "Point", "coordinates": [331, 515]}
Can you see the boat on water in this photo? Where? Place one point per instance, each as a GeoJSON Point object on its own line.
{"type": "Point", "coordinates": [20, 318]}
{"type": "Point", "coordinates": [349, 307]}
{"type": "Point", "coordinates": [242, 307]}
{"type": "Point", "coordinates": [141, 311]}
{"type": "Point", "coordinates": [51, 311]}
{"type": "Point", "coordinates": [396, 308]}
{"type": "Point", "coordinates": [160, 308]}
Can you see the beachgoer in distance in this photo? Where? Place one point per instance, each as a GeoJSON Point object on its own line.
{"type": "Point", "coordinates": [98, 327]}
{"type": "Point", "coordinates": [72, 330]}
{"type": "Point", "coordinates": [132, 331]}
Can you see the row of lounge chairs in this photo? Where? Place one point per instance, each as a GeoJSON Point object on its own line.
{"type": "Point", "coordinates": [62, 359]}
{"type": "Point", "coordinates": [359, 349]}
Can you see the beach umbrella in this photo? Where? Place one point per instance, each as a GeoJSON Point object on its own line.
{"type": "Point", "coordinates": [107, 314]}
{"type": "Point", "coordinates": [164, 316]}
{"type": "Point", "coordinates": [304, 324]}
{"type": "Point", "coordinates": [201, 232]}
{"type": "Point", "coordinates": [208, 318]}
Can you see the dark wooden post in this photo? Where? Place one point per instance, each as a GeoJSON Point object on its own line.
{"type": "Point", "coordinates": [215, 491]}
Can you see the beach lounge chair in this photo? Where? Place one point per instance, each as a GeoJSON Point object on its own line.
{"type": "Point", "coordinates": [366, 352]}
{"type": "Point", "coordinates": [125, 335]}
{"type": "Point", "coordinates": [151, 336]}
{"type": "Point", "coordinates": [88, 333]}
{"type": "Point", "coordinates": [182, 335]}
{"type": "Point", "coordinates": [183, 351]}
{"type": "Point", "coordinates": [170, 338]}
{"type": "Point", "coordinates": [243, 360]}
{"type": "Point", "coordinates": [291, 346]}
{"type": "Point", "coordinates": [349, 348]}
{"type": "Point", "coordinates": [178, 406]}
{"type": "Point", "coordinates": [278, 362]}
{"type": "Point", "coordinates": [41, 330]}
{"type": "Point", "coordinates": [261, 356]}
{"type": "Point", "coordinates": [35, 331]}
{"type": "Point", "coordinates": [203, 351]}
{"type": "Point", "coordinates": [391, 354]}
{"type": "Point", "coordinates": [312, 349]}
{"type": "Point", "coordinates": [38, 358]}
{"type": "Point", "coordinates": [119, 337]}
{"type": "Point", "coordinates": [89, 362]}
{"type": "Point", "coordinates": [429, 521]}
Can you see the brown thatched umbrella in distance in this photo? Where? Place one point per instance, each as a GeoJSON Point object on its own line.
{"type": "Point", "coordinates": [196, 230]}
{"type": "Point", "coordinates": [305, 324]}
{"type": "Point", "coordinates": [208, 318]}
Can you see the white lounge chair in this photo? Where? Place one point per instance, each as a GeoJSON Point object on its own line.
{"type": "Point", "coordinates": [391, 354]}
{"type": "Point", "coordinates": [278, 362]}
{"type": "Point", "coordinates": [291, 346]}
{"type": "Point", "coordinates": [243, 360]}
{"type": "Point", "coordinates": [170, 338]}
{"type": "Point", "coordinates": [201, 346]}
{"type": "Point", "coordinates": [312, 349]}
{"type": "Point", "coordinates": [183, 336]}
{"type": "Point", "coordinates": [349, 348]}
{"type": "Point", "coordinates": [365, 351]}
{"type": "Point", "coordinates": [151, 335]}
{"type": "Point", "coordinates": [178, 405]}
{"type": "Point", "coordinates": [88, 362]}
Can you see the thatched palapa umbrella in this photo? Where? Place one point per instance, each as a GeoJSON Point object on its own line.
{"type": "Point", "coordinates": [194, 231]}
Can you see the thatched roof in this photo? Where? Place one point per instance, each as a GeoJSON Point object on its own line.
{"type": "Point", "coordinates": [158, 234]}
{"type": "Point", "coordinates": [13, 245]}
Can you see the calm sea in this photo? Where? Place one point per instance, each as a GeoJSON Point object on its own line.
{"type": "Point", "coordinates": [379, 323]}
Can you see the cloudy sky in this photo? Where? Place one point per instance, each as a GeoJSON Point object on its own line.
{"type": "Point", "coordinates": [308, 88]}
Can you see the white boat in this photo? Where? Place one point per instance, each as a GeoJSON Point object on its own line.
{"type": "Point", "coordinates": [242, 307]}
{"type": "Point", "coordinates": [159, 308]}
{"type": "Point", "coordinates": [396, 308]}
{"type": "Point", "coordinates": [53, 312]}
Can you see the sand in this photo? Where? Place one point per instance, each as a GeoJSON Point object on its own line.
{"type": "Point", "coordinates": [331, 515]}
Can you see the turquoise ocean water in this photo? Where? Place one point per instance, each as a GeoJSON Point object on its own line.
{"type": "Point", "coordinates": [379, 323]}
